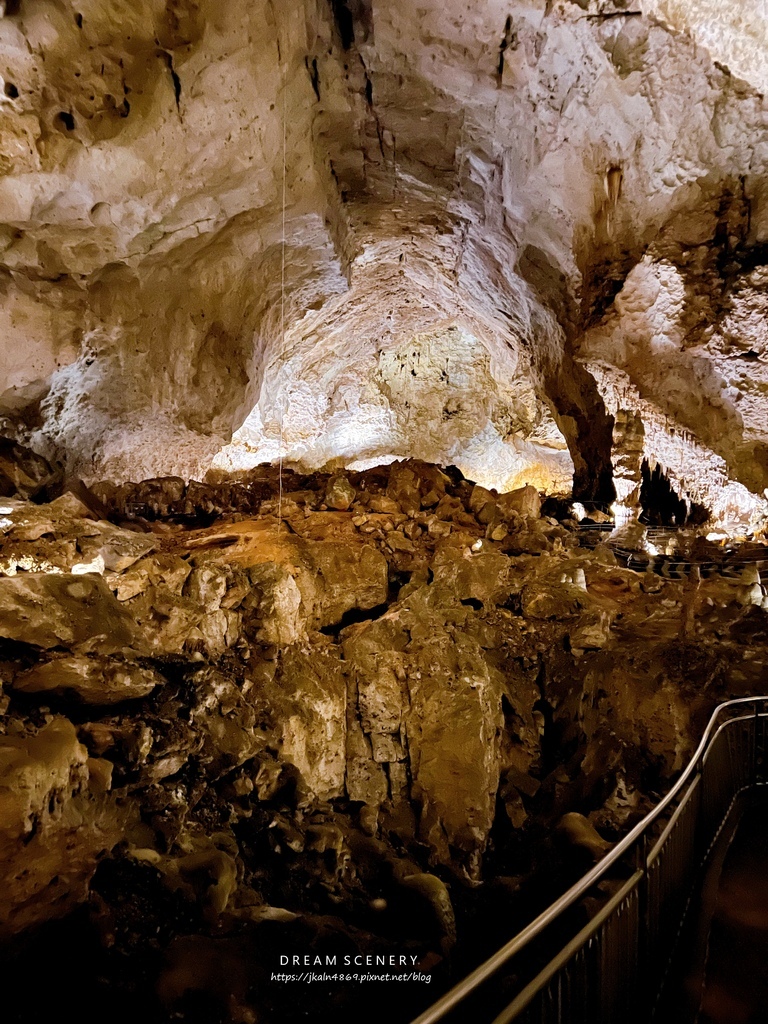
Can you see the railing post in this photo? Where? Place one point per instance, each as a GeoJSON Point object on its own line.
{"type": "Point", "coordinates": [758, 747]}
{"type": "Point", "coordinates": [755, 746]}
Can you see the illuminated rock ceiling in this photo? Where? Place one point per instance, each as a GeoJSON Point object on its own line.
{"type": "Point", "coordinates": [509, 229]}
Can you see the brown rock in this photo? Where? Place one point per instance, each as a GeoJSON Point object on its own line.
{"type": "Point", "coordinates": [525, 501]}
{"type": "Point", "coordinates": [93, 680]}
{"type": "Point", "coordinates": [56, 821]}
{"type": "Point", "coordinates": [310, 700]}
{"type": "Point", "coordinates": [479, 497]}
{"type": "Point", "coordinates": [453, 727]}
{"type": "Point", "coordinates": [341, 577]}
{"type": "Point", "coordinates": [385, 505]}
{"type": "Point", "coordinates": [118, 549]}
{"type": "Point", "coordinates": [340, 493]}
{"type": "Point", "coordinates": [48, 611]}
{"type": "Point", "coordinates": [404, 487]}
{"type": "Point", "coordinates": [23, 473]}
{"type": "Point", "coordinates": [397, 541]}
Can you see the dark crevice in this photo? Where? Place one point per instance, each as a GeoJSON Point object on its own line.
{"type": "Point", "coordinates": [506, 40]}
{"type": "Point", "coordinates": [344, 22]}
{"type": "Point", "coordinates": [661, 504]}
{"type": "Point", "coordinates": [168, 58]}
{"type": "Point", "coordinates": [609, 15]}
{"type": "Point", "coordinates": [353, 617]}
{"type": "Point", "coordinates": [314, 75]}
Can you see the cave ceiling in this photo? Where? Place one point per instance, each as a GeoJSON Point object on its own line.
{"type": "Point", "coordinates": [527, 239]}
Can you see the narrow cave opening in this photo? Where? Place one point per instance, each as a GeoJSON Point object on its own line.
{"type": "Point", "coordinates": [661, 504]}
{"type": "Point", "coordinates": [66, 119]}
{"type": "Point", "coordinates": [344, 22]}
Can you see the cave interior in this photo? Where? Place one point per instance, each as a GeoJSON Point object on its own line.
{"type": "Point", "coordinates": [383, 478]}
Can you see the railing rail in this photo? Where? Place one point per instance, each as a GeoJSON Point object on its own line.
{"type": "Point", "coordinates": [597, 975]}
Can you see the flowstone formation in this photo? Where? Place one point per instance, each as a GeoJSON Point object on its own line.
{"type": "Point", "coordinates": [390, 712]}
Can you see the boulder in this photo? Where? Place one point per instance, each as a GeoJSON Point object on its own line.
{"type": "Point", "coordinates": [119, 549]}
{"type": "Point", "coordinates": [525, 501]}
{"type": "Point", "coordinates": [339, 578]}
{"type": "Point", "coordinates": [453, 726]}
{"type": "Point", "coordinates": [92, 680]}
{"type": "Point", "coordinates": [309, 701]}
{"type": "Point", "coordinates": [340, 493]}
{"type": "Point", "coordinates": [404, 487]}
{"type": "Point", "coordinates": [49, 610]}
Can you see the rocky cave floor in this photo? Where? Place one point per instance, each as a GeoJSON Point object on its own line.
{"type": "Point", "coordinates": [400, 722]}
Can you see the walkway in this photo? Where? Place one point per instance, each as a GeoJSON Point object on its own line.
{"type": "Point", "coordinates": [726, 979]}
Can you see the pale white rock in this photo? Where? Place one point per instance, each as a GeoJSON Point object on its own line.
{"type": "Point", "coordinates": [231, 235]}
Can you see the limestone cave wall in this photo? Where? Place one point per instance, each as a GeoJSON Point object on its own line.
{"type": "Point", "coordinates": [351, 232]}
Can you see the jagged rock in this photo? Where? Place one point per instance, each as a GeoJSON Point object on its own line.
{"type": "Point", "coordinates": [65, 611]}
{"type": "Point", "coordinates": [56, 820]}
{"type": "Point", "coordinates": [414, 485]}
{"type": "Point", "coordinates": [593, 632]}
{"type": "Point", "coordinates": [207, 586]}
{"type": "Point", "coordinates": [453, 727]}
{"type": "Point", "coordinates": [340, 493]}
{"type": "Point", "coordinates": [118, 549]}
{"type": "Point", "coordinates": [552, 598]}
{"type": "Point", "coordinates": [70, 506]}
{"type": "Point", "coordinates": [525, 501]}
{"type": "Point", "coordinates": [169, 570]}
{"type": "Point", "coordinates": [229, 723]}
{"type": "Point", "coordinates": [383, 504]}
{"type": "Point", "coordinates": [25, 521]}
{"type": "Point", "coordinates": [92, 680]}
{"type": "Point", "coordinates": [483, 575]}
{"type": "Point", "coordinates": [282, 621]}
{"type": "Point", "coordinates": [340, 579]}
{"type": "Point", "coordinates": [23, 473]}
{"type": "Point", "coordinates": [397, 541]}
{"type": "Point", "coordinates": [310, 703]}
{"type": "Point", "coordinates": [479, 498]}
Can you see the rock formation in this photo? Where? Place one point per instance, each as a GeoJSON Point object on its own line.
{"type": "Point", "coordinates": [383, 473]}
{"type": "Point", "coordinates": [350, 232]}
{"type": "Point", "coordinates": [328, 729]}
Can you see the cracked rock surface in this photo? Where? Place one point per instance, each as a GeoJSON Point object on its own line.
{"type": "Point", "coordinates": [399, 726]}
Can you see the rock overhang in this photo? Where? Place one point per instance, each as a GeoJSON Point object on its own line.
{"type": "Point", "coordinates": [296, 193]}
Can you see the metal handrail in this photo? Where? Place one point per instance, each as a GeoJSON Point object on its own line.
{"type": "Point", "coordinates": [486, 970]}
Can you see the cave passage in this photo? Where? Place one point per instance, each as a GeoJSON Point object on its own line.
{"type": "Point", "coordinates": [661, 505]}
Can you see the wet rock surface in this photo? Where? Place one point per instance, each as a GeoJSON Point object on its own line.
{"type": "Point", "coordinates": [397, 721]}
